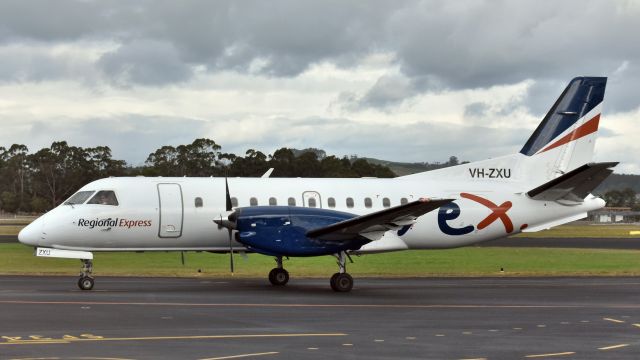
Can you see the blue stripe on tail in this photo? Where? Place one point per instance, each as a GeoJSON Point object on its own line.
{"type": "Point", "coordinates": [580, 96]}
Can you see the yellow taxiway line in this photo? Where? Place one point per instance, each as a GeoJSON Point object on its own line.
{"type": "Point", "coordinates": [242, 356]}
{"type": "Point", "coordinates": [613, 347]}
{"type": "Point", "coordinates": [151, 338]}
{"type": "Point", "coordinates": [551, 354]}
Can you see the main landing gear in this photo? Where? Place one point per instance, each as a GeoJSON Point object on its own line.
{"type": "Point", "coordinates": [341, 281]}
{"type": "Point", "coordinates": [85, 282]}
{"type": "Point", "coordinates": [278, 276]}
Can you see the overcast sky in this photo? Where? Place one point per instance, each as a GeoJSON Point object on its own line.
{"type": "Point", "coordinates": [395, 80]}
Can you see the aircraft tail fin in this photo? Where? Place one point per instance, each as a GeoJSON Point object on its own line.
{"type": "Point", "coordinates": [575, 185]}
{"type": "Point", "coordinates": [565, 138]}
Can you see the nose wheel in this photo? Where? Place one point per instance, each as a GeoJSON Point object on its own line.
{"type": "Point", "coordinates": [86, 282]}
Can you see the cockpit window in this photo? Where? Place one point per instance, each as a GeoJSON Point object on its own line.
{"type": "Point", "coordinates": [104, 197]}
{"type": "Point", "coordinates": [78, 198]}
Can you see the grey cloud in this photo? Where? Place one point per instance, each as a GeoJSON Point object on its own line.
{"type": "Point", "coordinates": [145, 62]}
{"type": "Point", "coordinates": [437, 44]}
{"type": "Point", "coordinates": [34, 63]}
{"type": "Point", "coordinates": [130, 137]}
{"type": "Point", "coordinates": [476, 109]}
{"type": "Point", "coordinates": [388, 91]}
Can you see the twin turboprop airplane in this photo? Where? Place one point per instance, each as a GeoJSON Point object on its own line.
{"type": "Point", "coordinates": [547, 183]}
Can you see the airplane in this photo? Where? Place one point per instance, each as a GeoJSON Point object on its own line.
{"type": "Point", "coordinates": [547, 183]}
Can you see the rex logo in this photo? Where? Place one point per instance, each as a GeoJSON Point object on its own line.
{"type": "Point", "coordinates": [451, 211]}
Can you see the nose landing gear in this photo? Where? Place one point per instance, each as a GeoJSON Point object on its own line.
{"type": "Point", "coordinates": [85, 282]}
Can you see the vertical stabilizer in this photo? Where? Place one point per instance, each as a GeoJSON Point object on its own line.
{"type": "Point", "coordinates": [565, 138]}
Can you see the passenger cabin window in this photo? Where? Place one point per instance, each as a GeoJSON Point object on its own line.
{"type": "Point", "coordinates": [291, 202]}
{"type": "Point", "coordinates": [273, 201]}
{"type": "Point", "coordinates": [349, 202]}
{"type": "Point", "coordinates": [312, 203]}
{"type": "Point", "coordinates": [386, 203]}
{"type": "Point", "coordinates": [403, 201]}
{"type": "Point", "coordinates": [198, 202]}
{"type": "Point", "coordinates": [367, 202]}
{"type": "Point", "coordinates": [104, 197]}
{"type": "Point", "coordinates": [253, 201]}
{"type": "Point", "coordinates": [234, 202]}
{"type": "Point", "coordinates": [78, 198]}
{"type": "Point", "coordinates": [331, 202]}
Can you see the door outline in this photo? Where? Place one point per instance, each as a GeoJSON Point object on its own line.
{"type": "Point", "coordinates": [179, 234]}
{"type": "Point", "coordinates": [311, 194]}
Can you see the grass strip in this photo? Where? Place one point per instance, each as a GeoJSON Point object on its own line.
{"type": "Point", "coordinates": [469, 261]}
{"type": "Point", "coordinates": [585, 231]}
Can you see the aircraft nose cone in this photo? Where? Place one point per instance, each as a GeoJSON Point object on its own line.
{"type": "Point", "coordinates": [31, 234]}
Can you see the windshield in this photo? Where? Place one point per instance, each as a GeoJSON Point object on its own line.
{"type": "Point", "coordinates": [79, 198]}
{"type": "Point", "coordinates": [104, 197]}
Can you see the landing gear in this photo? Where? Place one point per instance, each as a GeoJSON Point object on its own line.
{"type": "Point", "coordinates": [279, 276]}
{"type": "Point", "coordinates": [85, 282]}
{"type": "Point", "coordinates": [341, 281]}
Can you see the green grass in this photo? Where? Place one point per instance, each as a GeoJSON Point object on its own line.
{"type": "Point", "coordinates": [585, 231]}
{"type": "Point", "coordinates": [469, 261]}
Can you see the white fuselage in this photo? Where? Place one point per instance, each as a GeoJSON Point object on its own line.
{"type": "Point", "coordinates": [178, 213]}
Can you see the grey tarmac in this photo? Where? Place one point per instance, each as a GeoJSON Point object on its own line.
{"type": "Point", "coordinates": [382, 318]}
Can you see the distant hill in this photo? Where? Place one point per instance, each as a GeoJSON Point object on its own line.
{"type": "Point", "coordinates": [403, 168]}
{"type": "Point", "coordinates": [619, 182]}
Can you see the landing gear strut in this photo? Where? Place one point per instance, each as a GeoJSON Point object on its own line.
{"type": "Point", "coordinates": [278, 276]}
{"type": "Point", "coordinates": [341, 281]}
{"type": "Point", "coordinates": [85, 282]}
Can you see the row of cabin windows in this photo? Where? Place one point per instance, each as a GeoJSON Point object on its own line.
{"type": "Point", "coordinates": [311, 202]}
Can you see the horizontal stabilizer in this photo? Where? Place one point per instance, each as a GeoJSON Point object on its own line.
{"type": "Point", "coordinates": [378, 222]}
{"type": "Point", "coordinates": [574, 185]}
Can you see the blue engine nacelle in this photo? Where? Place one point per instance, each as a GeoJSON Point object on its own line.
{"type": "Point", "coordinates": [281, 230]}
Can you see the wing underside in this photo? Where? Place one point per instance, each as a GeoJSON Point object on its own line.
{"type": "Point", "coordinates": [374, 225]}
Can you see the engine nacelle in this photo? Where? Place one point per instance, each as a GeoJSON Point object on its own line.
{"type": "Point", "coordinates": [281, 230]}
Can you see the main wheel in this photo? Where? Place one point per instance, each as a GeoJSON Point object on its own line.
{"type": "Point", "coordinates": [332, 281]}
{"type": "Point", "coordinates": [85, 283]}
{"type": "Point", "coordinates": [278, 277]}
{"type": "Point", "coordinates": [341, 282]}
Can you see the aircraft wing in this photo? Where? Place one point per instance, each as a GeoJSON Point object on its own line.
{"type": "Point", "coordinates": [574, 185]}
{"type": "Point", "coordinates": [374, 225]}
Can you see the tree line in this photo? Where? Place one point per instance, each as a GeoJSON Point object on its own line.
{"type": "Point", "coordinates": [622, 198]}
{"type": "Point", "coordinates": [37, 182]}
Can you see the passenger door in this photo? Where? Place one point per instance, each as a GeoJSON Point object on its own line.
{"type": "Point", "coordinates": [171, 210]}
{"type": "Point", "coordinates": [311, 199]}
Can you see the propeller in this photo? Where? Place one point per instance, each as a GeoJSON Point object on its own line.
{"type": "Point", "coordinates": [229, 223]}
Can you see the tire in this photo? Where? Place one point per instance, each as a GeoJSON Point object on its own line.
{"type": "Point", "coordinates": [85, 283]}
{"type": "Point", "coordinates": [278, 277]}
{"type": "Point", "coordinates": [332, 281]}
{"type": "Point", "coordinates": [342, 283]}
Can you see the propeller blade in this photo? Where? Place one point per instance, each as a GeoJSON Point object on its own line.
{"type": "Point", "coordinates": [231, 251]}
{"type": "Point", "coordinates": [226, 185]}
